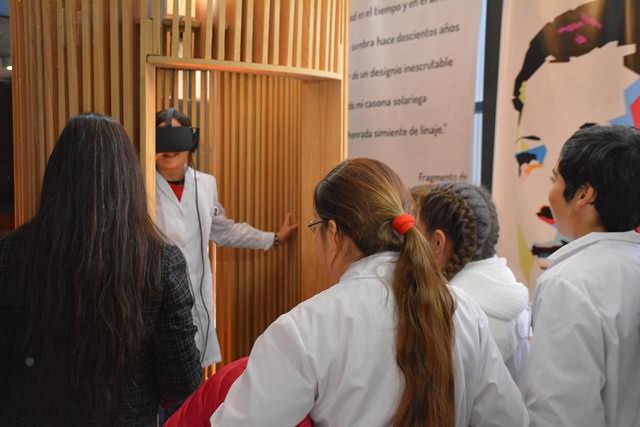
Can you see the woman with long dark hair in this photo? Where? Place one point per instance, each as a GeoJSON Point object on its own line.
{"type": "Point", "coordinates": [390, 344]}
{"type": "Point", "coordinates": [95, 308]}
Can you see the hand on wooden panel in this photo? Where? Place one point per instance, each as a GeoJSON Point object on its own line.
{"type": "Point", "coordinates": [286, 229]}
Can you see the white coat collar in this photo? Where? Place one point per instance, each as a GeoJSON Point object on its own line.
{"type": "Point", "coordinates": [577, 245]}
{"type": "Point", "coordinates": [375, 265]}
{"type": "Point", "coordinates": [163, 186]}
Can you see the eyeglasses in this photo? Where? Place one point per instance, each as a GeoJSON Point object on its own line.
{"type": "Point", "coordinates": [312, 225]}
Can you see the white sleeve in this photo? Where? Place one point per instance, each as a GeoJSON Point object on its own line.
{"type": "Point", "coordinates": [279, 385]}
{"type": "Point", "coordinates": [497, 401]}
{"type": "Point", "coordinates": [227, 232]}
{"type": "Point", "coordinates": [565, 372]}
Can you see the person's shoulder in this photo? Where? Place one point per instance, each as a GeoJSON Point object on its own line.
{"type": "Point", "coordinates": [172, 256]}
{"type": "Point", "coordinates": [9, 242]}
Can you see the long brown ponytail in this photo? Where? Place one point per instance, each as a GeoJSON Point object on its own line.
{"type": "Point", "coordinates": [363, 196]}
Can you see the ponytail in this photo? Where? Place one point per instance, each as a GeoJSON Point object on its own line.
{"type": "Point", "coordinates": [424, 340]}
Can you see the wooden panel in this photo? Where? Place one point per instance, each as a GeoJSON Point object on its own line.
{"type": "Point", "coordinates": [87, 81]}
{"type": "Point", "coordinates": [220, 26]}
{"type": "Point", "coordinates": [175, 29]}
{"type": "Point", "coordinates": [266, 150]}
{"type": "Point", "coordinates": [317, 33]}
{"type": "Point", "coordinates": [247, 29]}
{"type": "Point", "coordinates": [208, 43]}
{"type": "Point", "coordinates": [147, 117]}
{"type": "Point", "coordinates": [331, 36]}
{"type": "Point", "coordinates": [274, 32]}
{"type": "Point", "coordinates": [114, 60]}
{"type": "Point", "coordinates": [157, 27]}
{"type": "Point", "coordinates": [322, 149]}
{"type": "Point", "coordinates": [38, 74]}
{"type": "Point", "coordinates": [298, 36]}
{"type": "Point", "coordinates": [72, 55]}
{"type": "Point", "coordinates": [308, 23]}
{"type": "Point", "coordinates": [49, 48]}
{"type": "Point", "coordinates": [234, 37]}
{"type": "Point", "coordinates": [261, 13]}
{"type": "Point", "coordinates": [127, 68]}
{"type": "Point", "coordinates": [99, 81]}
{"type": "Point", "coordinates": [287, 24]}
{"type": "Point", "coordinates": [61, 64]}
{"type": "Point", "coordinates": [242, 67]}
{"type": "Point", "coordinates": [187, 49]}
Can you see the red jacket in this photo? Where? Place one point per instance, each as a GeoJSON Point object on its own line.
{"type": "Point", "coordinates": [197, 409]}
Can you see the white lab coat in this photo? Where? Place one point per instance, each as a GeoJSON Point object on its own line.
{"type": "Point", "coordinates": [505, 301]}
{"type": "Point", "coordinates": [584, 361]}
{"type": "Point", "coordinates": [178, 220]}
{"type": "Point", "coordinates": [333, 357]}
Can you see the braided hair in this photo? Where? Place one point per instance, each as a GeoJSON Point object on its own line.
{"type": "Point", "coordinates": [467, 216]}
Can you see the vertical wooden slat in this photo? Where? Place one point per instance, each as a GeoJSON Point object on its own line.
{"type": "Point", "coordinates": [87, 81]}
{"type": "Point", "coordinates": [49, 79]}
{"type": "Point", "coordinates": [157, 27]}
{"type": "Point", "coordinates": [192, 94]}
{"type": "Point", "coordinates": [297, 61]}
{"type": "Point", "coordinates": [274, 33]}
{"type": "Point", "coordinates": [317, 33]}
{"type": "Point", "coordinates": [261, 13]}
{"type": "Point", "coordinates": [234, 39]}
{"type": "Point", "coordinates": [160, 72]}
{"type": "Point", "coordinates": [175, 96]}
{"type": "Point", "coordinates": [208, 42]}
{"type": "Point", "coordinates": [249, 195]}
{"type": "Point", "coordinates": [167, 91]}
{"type": "Point", "coordinates": [72, 55]}
{"type": "Point", "coordinates": [279, 170]}
{"type": "Point", "coordinates": [62, 69]}
{"type": "Point", "coordinates": [114, 55]}
{"type": "Point", "coordinates": [175, 29]}
{"type": "Point", "coordinates": [98, 55]}
{"type": "Point", "coordinates": [147, 114]}
{"type": "Point", "coordinates": [220, 28]}
{"type": "Point", "coordinates": [287, 24]}
{"type": "Point", "coordinates": [39, 77]}
{"type": "Point", "coordinates": [127, 67]}
{"type": "Point", "coordinates": [259, 193]}
{"type": "Point", "coordinates": [240, 172]}
{"type": "Point", "coordinates": [324, 32]}
{"type": "Point", "coordinates": [271, 218]}
{"type": "Point", "coordinates": [247, 31]}
{"type": "Point", "coordinates": [309, 22]}
{"type": "Point", "coordinates": [186, 49]}
{"type": "Point", "coordinates": [331, 39]}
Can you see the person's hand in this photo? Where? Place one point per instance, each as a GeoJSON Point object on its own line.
{"type": "Point", "coordinates": [286, 229]}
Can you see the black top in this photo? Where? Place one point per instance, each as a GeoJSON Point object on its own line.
{"type": "Point", "coordinates": [168, 367]}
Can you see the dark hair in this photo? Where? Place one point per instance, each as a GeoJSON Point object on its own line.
{"type": "Point", "coordinates": [87, 260]}
{"type": "Point", "coordinates": [580, 37]}
{"type": "Point", "coordinates": [363, 196]}
{"type": "Point", "coordinates": [608, 159]}
{"type": "Point", "coordinates": [448, 211]}
{"type": "Point", "coordinates": [161, 117]}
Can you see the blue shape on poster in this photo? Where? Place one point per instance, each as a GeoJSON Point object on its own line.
{"type": "Point", "coordinates": [631, 94]}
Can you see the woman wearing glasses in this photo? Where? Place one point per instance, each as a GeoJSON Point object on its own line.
{"type": "Point", "coordinates": [390, 343]}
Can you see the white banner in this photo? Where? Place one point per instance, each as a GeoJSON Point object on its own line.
{"type": "Point", "coordinates": [412, 86]}
{"type": "Point", "coordinates": [564, 64]}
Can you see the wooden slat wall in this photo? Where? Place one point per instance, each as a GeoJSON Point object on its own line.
{"type": "Point", "coordinates": [268, 139]}
{"type": "Point", "coordinates": [71, 56]}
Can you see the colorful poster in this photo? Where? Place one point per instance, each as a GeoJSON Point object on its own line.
{"type": "Point", "coordinates": [412, 86]}
{"type": "Point", "coordinates": [564, 64]}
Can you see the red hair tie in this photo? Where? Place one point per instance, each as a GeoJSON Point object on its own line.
{"type": "Point", "coordinates": [403, 223]}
